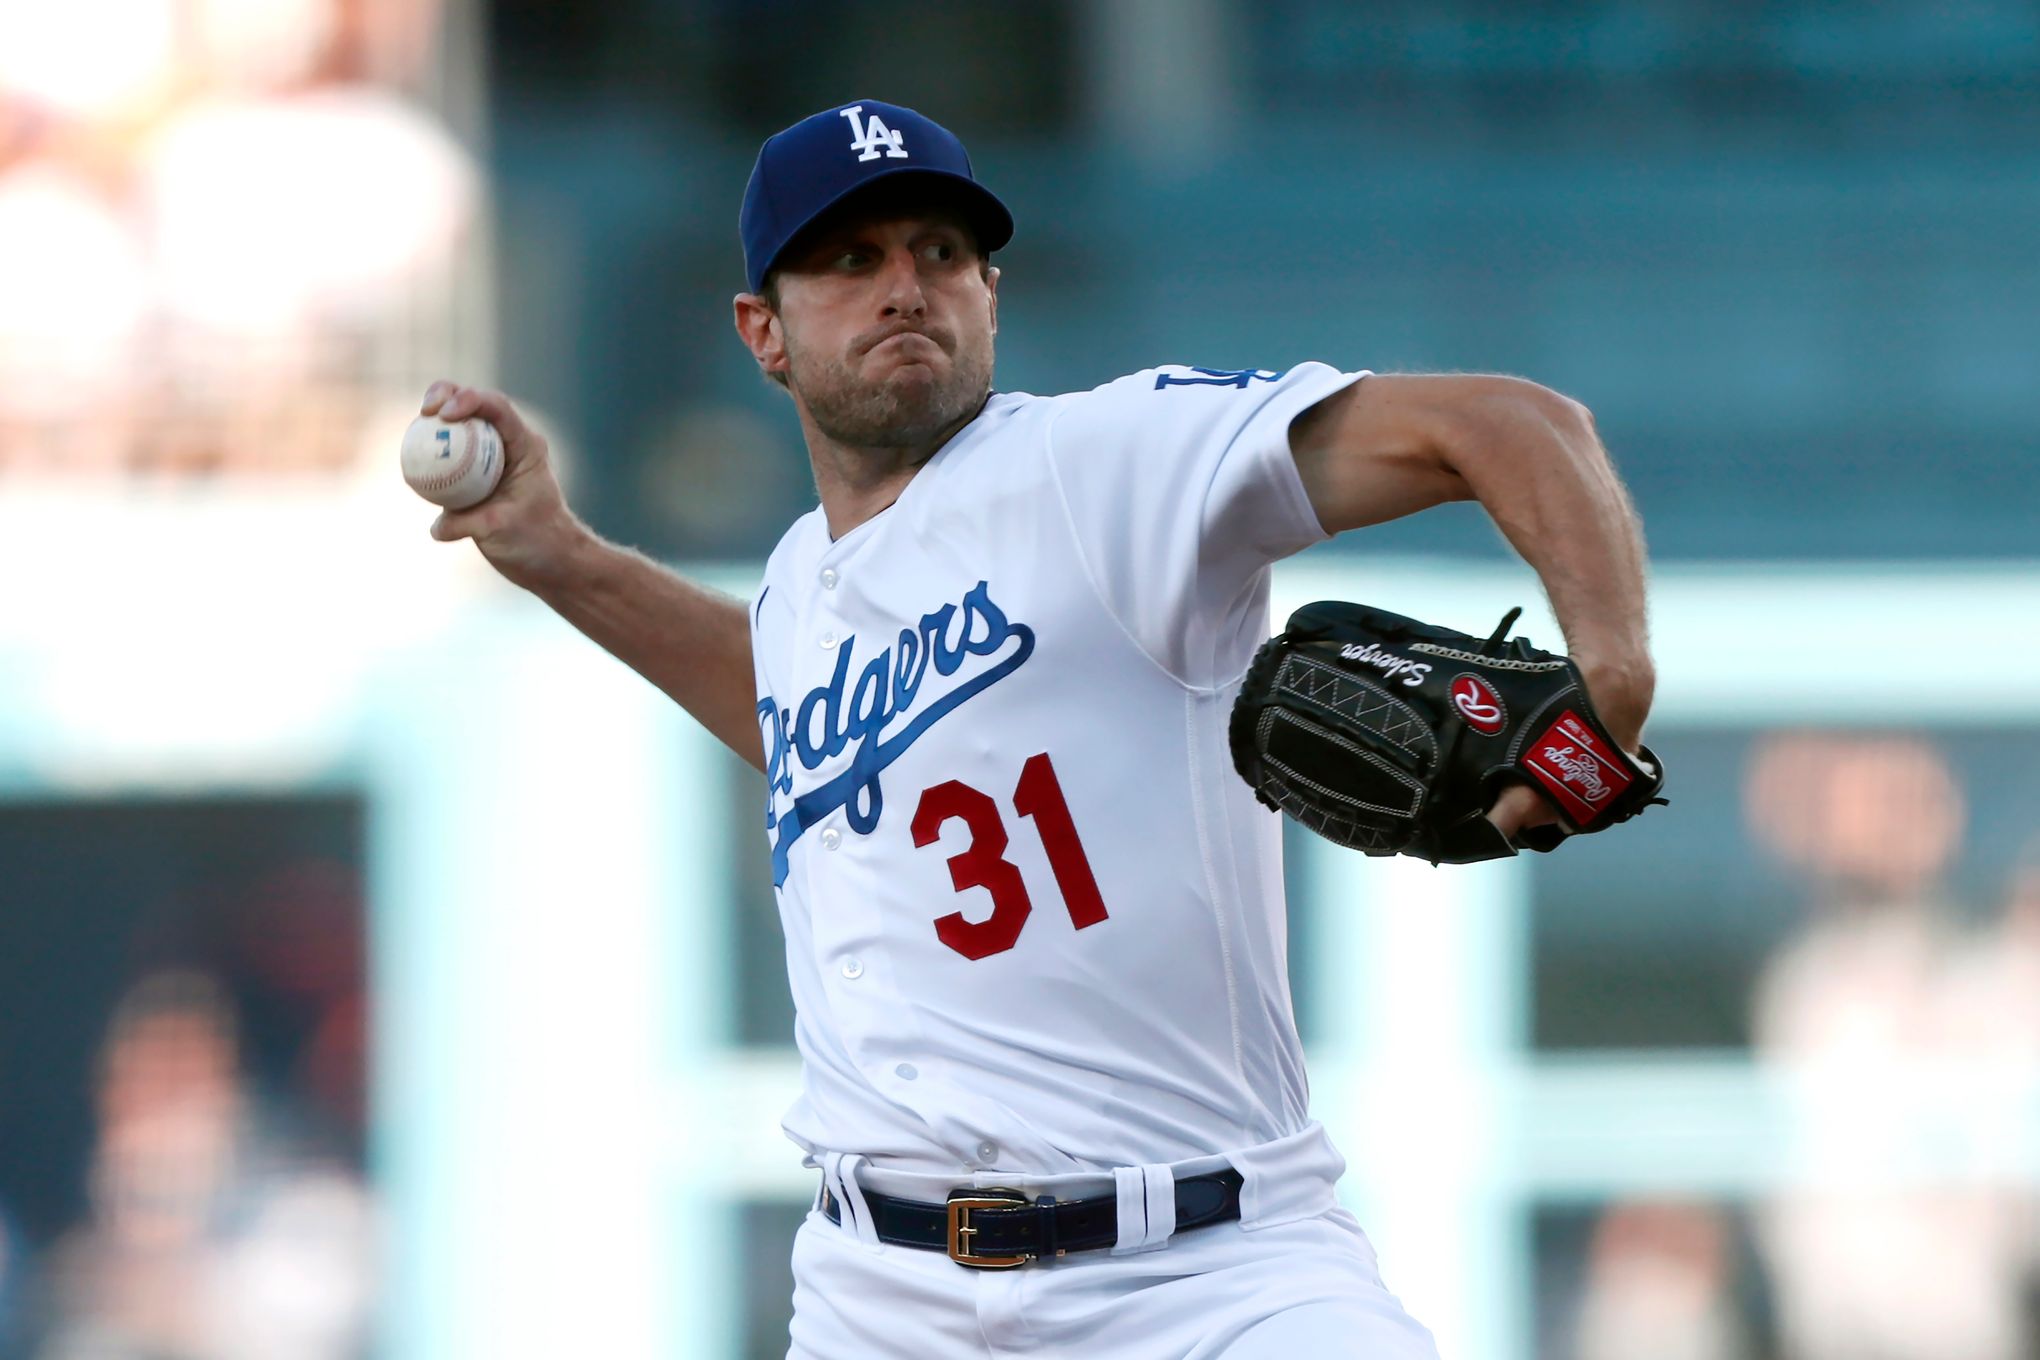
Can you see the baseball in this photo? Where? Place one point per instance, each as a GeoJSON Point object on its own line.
{"type": "Point", "coordinates": [455, 465]}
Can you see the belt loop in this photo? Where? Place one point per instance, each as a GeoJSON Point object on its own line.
{"type": "Point", "coordinates": [1160, 1185]}
{"type": "Point", "coordinates": [1147, 1207]}
{"type": "Point", "coordinates": [1126, 1183]}
{"type": "Point", "coordinates": [832, 1188]}
{"type": "Point", "coordinates": [853, 1194]}
{"type": "Point", "coordinates": [839, 1179]}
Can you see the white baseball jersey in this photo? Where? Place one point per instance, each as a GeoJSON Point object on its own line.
{"type": "Point", "coordinates": [1034, 920]}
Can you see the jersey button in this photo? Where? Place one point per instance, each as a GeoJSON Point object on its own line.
{"type": "Point", "coordinates": [988, 1153]}
{"type": "Point", "coordinates": [828, 641]}
{"type": "Point", "coordinates": [853, 969]}
{"type": "Point", "coordinates": [906, 1071]}
{"type": "Point", "coordinates": [829, 578]}
{"type": "Point", "coordinates": [831, 838]}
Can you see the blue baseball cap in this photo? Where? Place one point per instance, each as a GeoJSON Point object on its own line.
{"type": "Point", "coordinates": [822, 160]}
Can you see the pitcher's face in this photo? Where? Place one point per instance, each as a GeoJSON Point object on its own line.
{"type": "Point", "coordinates": [884, 327]}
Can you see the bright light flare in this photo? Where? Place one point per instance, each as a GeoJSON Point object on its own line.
{"type": "Point", "coordinates": [75, 294]}
{"type": "Point", "coordinates": [85, 57]}
{"type": "Point", "coordinates": [249, 44]}
{"type": "Point", "coordinates": [324, 206]}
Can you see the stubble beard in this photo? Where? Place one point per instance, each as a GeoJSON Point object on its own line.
{"type": "Point", "coordinates": [897, 411]}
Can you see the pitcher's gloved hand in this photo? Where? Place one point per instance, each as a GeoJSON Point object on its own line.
{"type": "Point", "coordinates": [1396, 737]}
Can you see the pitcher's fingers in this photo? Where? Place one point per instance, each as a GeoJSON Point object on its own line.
{"type": "Point", "coordinates": [1520, 807]}
{"type": "Point", "coordinates": [452, 527]}
{"type": "Point", "coordinates": [472, 522]}
{"type": "Point", "coordinates": [435, 397]}
{"type": "Point", "coordinates": [491, 406]}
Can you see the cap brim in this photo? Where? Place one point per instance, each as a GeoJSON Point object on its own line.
{"type": "Point", "coordinates": [980, 207]}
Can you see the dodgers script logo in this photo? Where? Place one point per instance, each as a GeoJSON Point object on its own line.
{"type": "Point", "coordinates": [870, 134]}
{"type": "Point", "coordinates": [838, 715]}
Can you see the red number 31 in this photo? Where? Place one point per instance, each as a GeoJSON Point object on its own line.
{"type": "Point", "coordinates": [983, 863]}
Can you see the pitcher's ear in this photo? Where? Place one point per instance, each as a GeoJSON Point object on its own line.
{"type": "Point", "coordinates": [758, 326]}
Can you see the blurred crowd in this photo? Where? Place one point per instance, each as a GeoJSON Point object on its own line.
{"type": "Point", "coordinates": [208, 1235]}
{"type": "Point", "coordinates": [213, 1204]}
{"type": "Point", "coordinates": [228, 232]}
{"type": "Point", "coordinates": [1903, 1027]}
{"type": "Point", "coordinates": [215, 1229]}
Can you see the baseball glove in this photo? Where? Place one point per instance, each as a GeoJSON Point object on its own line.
{"type": "Point", "coordinates": [1394, 737]}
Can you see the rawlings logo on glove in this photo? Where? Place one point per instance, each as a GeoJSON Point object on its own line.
{"type": "Point", "coordinates": [1478, 703]}
{"type": "Point", "coordinates": [1350, 722]}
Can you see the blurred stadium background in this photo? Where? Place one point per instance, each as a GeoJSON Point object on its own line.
{"type": "Point", "coordinates": [384, 972]}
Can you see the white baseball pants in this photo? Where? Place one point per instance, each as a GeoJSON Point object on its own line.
{"type": "Point", "coordinates": [1305, 1288]}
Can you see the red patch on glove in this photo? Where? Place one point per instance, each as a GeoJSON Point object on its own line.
{"type": "Point", "coordinates": [1575, 767]}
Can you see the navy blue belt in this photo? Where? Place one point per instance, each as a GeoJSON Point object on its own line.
{"type": "Point", "coordinates": [994, 1228]}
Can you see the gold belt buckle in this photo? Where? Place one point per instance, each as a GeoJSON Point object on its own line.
{"type": "Point", "coordinates": [961, 1205]}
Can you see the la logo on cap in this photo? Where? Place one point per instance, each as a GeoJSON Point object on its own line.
{"type": "Point", "coordinates": [872, 134]}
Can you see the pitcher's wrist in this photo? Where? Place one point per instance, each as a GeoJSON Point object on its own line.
{"type": "Point", "coordinates": [1622, 691]}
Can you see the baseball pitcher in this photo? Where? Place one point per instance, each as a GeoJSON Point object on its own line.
{"type": "Point", "coordinates": [1034, 920]}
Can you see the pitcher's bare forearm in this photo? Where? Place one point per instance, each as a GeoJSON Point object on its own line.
{"type": "Point", "coordinates": [692, 642]}
{"type": "Point", "coordinates": [1535, 463]}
